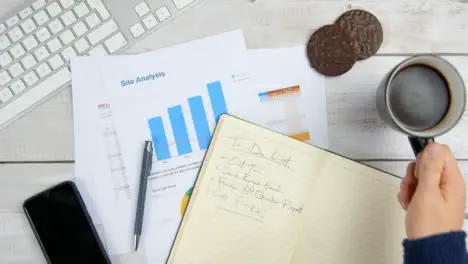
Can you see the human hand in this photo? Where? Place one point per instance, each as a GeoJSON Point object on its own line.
{"type": "Point", "coordinates": [433, 193]}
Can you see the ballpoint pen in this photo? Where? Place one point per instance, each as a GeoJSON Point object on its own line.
{"type": "Point", "coordinates": [145, 172]}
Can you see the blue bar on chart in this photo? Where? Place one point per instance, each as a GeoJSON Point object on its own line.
{"type": "Point", "coordinates": [200, 121]}
{"type": "Point", "coordinates": [158, 134]}
{"type": "Point", "coordinates": [218, 103]}
{"type": "Point", "coordinates": [179, 130]}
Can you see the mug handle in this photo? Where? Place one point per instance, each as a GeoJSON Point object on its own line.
{"type": "Point", "coordinates": [418, 144]}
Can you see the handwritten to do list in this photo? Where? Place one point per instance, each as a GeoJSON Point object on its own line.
{"type": "Point", "coordinates": [246, 187]}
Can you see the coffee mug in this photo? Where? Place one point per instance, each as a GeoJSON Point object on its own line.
{"type": "Point", "coordinates": [424, 96]}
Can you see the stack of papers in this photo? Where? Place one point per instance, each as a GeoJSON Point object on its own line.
{"type": "Point", "coordinates": [174, 96]}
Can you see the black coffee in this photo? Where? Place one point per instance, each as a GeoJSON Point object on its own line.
{"type": "Point", "coordinates": [419, 97]}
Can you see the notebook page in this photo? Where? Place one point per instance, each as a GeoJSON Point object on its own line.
{"type": "Point", "coordinates": [352, 216]}
{"type": "Point", "coordinates": [248, 201]}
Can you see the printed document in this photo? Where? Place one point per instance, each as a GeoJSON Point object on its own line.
{"type": "Point", "coordinates": [177, 104]}
{"type": "Point", "coordinates": [100, 165]}
{"type": "Point", "coordinates": [291, 97]}
{"type": "Point", "coordinates": [152, 94]}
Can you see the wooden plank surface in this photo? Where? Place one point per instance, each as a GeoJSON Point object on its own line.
{"type": "Point", "coordinates": [411, 26]}
{"type": "Point", "coordinates": [355, 128]}
{"type": "Point", "coordinates": [44, 134]}
{"type": "Point", "coordinates": [17, 182]}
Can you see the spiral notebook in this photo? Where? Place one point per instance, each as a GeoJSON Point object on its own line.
{"type": "Point", "coordinates": [262, 197]}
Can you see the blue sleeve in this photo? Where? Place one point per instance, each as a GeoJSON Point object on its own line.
{"type": "Point", "coordinates": [449, 248]}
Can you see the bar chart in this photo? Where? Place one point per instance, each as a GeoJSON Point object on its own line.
{"type": "Point", "coordinates": [183, 121]}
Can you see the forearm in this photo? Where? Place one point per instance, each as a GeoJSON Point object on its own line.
{"type": "Point", "coordinates": [449, 248]}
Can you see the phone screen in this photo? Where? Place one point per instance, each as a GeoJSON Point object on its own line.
{"type": "Point", "coordinates": [63, 227]}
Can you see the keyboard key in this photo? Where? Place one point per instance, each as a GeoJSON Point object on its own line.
{"type": "Point", "coordinates": [92, 20]}
{"type": "Point", "coordinates": [68, 54]}
{"type": "Point", "coordinates": [5, 95]}
{"type": "Point", "coordinates": [2, 28]}
{"type": "Point", "coordinates": [67, 37]}
{"type": "Point", "coordinates": [142, 9]}
{"type": "Point", "coordinates": [4, 42]}
{"type": "Point", "coordinates": [150, 21]}
{"type": "Point", "coordinates": [30, 78]}
{"type": "Point", "coordinates": [81, 9]}
{"type": "Point", "coordinates": [115, 43]}
{"type": "Point", "coordinates": [99, 7]}
{"type": "Point", "coordinates": [68, 18]}
{"type": "Point", "coordinates": [55, 26]}
{"type": "Point", "coordinates": [54, 45]}
{"type": "Point", "coordinates": [56, 62]}
{"type": "Point", "coordinates": [54, 9]}
{"type": "Point", "coordinates": [17, 51]}
{"type": "Point", "coordinates": [15, 34]}
{"type": "Point", "coordinates": [5, 59]}
{"type": "Point", "coordinates": [102, 32]}
{"type": "Point", "coordinates": [25, 12]}
{"type": "Point", "coordinates": [43, 35]}
{"type": "Point", "coordinates": [182, 3]}
{"type": "Point", "coordinates": [34, 94]}
{"type": "Point", "coordinates": [12, 21]}
{"type": "Point", "coordinates": [30, 43]}
{"type": "Point", "coordinates": [4, 77]}
{"type": "Point", "coordinates": [79, 29]}
{"type": "Point", "coordinates": [28, 61]}
{"type": "Point", "coordinates": [67, 3]}
{"type": "Point", "coordinates": [41, 18]}
{"type": "Point", "coordinates": [17, 86]}
{"type": "Point", "coordinates": [98, 51]}
{"type": "Point", "coordinates": [137, 30]}
{"type": "Point", "coordinates": [41, 53]}
{"type": "Point", "coordinates": [43, 70]}
{"type": "Point", "coordinates": [38, 4]}
{"type": "Point", "coordinates": [28, 26]}
{"type": "Point", "coordinates": [16, 70]}
{"type": "Point", "coordinates": [81, 45]}
{"type": "Point", "coordinates": [163, 13]}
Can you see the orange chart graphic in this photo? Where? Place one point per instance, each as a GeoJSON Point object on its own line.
{"type": "Point", "coordinates": [293, 90]}
{"type": "Point", "coordinates": [301, 137]}
{"type": "Point", "coordinates": [284, 103]}
{"type": "Point", "coordinates": [185, 200]}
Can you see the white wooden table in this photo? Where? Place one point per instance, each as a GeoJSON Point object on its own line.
{"type": "Point", "coordinates": [37, 150]}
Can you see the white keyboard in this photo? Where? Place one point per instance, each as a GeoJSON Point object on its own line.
{"type": "Point", "coordinates": [38, 41]}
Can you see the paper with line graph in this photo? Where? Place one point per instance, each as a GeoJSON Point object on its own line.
{"type": "Point", "coordinates": [116, 164]}
{"type": "Point", "coordinates": [98, 160]}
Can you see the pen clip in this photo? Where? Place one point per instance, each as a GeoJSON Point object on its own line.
{"type": "Point", "coordinates": [149, 156]}
{"type": "Point", "coordinates": [149, 146]}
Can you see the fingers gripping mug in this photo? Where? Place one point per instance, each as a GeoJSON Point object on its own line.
{"type": "Point", "coordinates": [424, 96]}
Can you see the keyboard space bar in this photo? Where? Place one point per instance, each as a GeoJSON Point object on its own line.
{"type": "Point", "coordinates": [34, 94]}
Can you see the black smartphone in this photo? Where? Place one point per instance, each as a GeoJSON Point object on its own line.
{"type": "Point", "coordinates": [63, 227]}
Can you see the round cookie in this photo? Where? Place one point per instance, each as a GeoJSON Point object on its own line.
{"type": "Point", "coordinates": [331, 50]}
{"type": "Point", "coordinates": [365, 29]}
